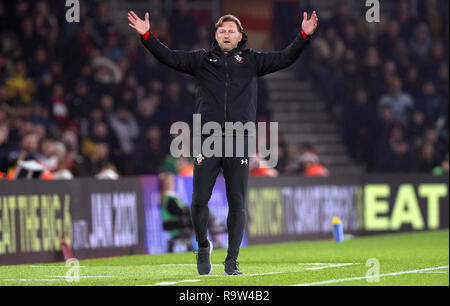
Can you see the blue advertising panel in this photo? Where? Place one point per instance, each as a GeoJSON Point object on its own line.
{"type": "Point", "coordinates": [157, 238]}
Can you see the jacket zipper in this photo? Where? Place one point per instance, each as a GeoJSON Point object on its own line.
{"type": "Point", "coordinates": [226, 93]}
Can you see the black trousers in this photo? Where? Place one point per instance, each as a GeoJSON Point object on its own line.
{"type": "Point", "coordinates": [235, 171]}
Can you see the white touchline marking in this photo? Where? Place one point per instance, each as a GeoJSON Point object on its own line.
{"type": "Point", "coordinates": [166, 283]}
{"type": "Point", "coordinates": [29, 280]}
{"type": "Point", "coordinates": [368, 277]}
{"type": "Point", "coordinates": [259, 274]}
{"type": "Point", "coordinates": [185, 265]}
{"type": "Point", "coordinates": [213, 275]}
{"type": "Point", "coordinates": [96, 276]}
{"type": "Point", "coordinates": [313, 263]}
{"type": "Point", "coordinates": [173, 283]}
{"type": "Point", "coordinates": [332, 266]}
{"type": "Point", "coordinates": [243, 275]}
{"type": "Point", "coordinates": [52, 278]}
{"type": "Point", "coordinates": [54, 267]}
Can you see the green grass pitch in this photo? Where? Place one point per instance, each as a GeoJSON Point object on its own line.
{"type": "Point", "coordinates": [404, 259]}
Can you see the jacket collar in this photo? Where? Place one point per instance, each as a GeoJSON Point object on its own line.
{"type": "Point", "coordinates": [241, 45]}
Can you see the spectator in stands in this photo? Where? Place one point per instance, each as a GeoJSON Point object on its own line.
{"type": "Point", "coordinates": [107, 104]}
{"type": "Point", "coordinates": [311, 165]}
{"type": "Point", "coordinates": [330, 48]}
{"type": "Point", "coordinates": [399, 158]}
{"type": "Point", "coordinates": [87, 124]}
{"type": "Point", "coordinates": [28, 150]}
{"type": "Point", "coordinates": [441, 80]}
{"type": "Point", "coordinates": [400, 102]}
{"type": "Point", "coordinates": [342, 17]}
{"type": "Point", "coordinates": [356, 119]}
{"type": "Point", "coordinates": [405, 18]}
{"type": "Point", "coordinates": [291, 161]}
{"type": "Point", "coordinates": [126, 130]}
{"type": "Point", "coordinates": [4, 146]}
{"type": "Point", "coordinates": [387, 40]}
{"type": "Point", "coordinates": [349, 80]}
{"type": "Point", "coordinates": [427, 158]}
{"type": "Point", "coordinates": [102, 132]}
{"type": "Point", "coordinates": [80, 101]}
{"type": "Point", "coordinates": [62, 170]}
{"type": "Point", "coordinates": [45, 21]}
{"type": "Point", "coordinates": [149, 112]}
{"type": "Point", "coordinates": [29, 169]}
{"type": "Point", "coordinates": [55, 159]}
{"type": "Point", "coordinates": [127, 99]}
{"type": "Point", "coordinates": [281, 157]}
{"type": "Point", "coordinates": [352, 39]}
{"type": "Point", "coordinates": [413, 82]}
{"type": "Point", "coordinates": [416, 128]}
{"type": "Point", "coordinates": [177, 104]}
{"type": "Point", "coordinates": [430, 103]}
{"type": "Point", "coordinates": [436, 57]}
{"type": "Point", "coordinates": [103, 19]}
{"type": "Point", "coordinates": [99, 162]}
{"type": "Point", "coordinates": [40, 115]}
{"type": "Point", "coordinates": [259, 167]}
{"type": "Point", "coordinates": [183, 27]}
{"type": "Point", "coordinates": [59, 105]}
{"type": "Point", "coordinates": [19, 86]}
{"type": "Point", "coordinates": [184, 167]}
{"type": "Point", "coordinates": [47, 151]}
{"type": "Point", "coordinates": [384, 123]}
{"type": "Point", "coordinates": [150, 152]}
{"type": "Point", "coordinates": [309, 161]}
{"type": "Point", "coordinates": [442, 169]}
{"type": "Point", "coordinates": [420, 44]}
{"type": "Point", "coordinates": [432, 13]}
{"type": "Point", "coordinates": [433, 137]}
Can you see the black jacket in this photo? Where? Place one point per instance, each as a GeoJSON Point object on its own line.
{"type": "Point", "coordinates": [226, 83]}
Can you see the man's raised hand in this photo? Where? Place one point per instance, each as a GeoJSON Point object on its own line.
{"type": "Point", "coordinates": [141, 26]}
{"type": "Point", "coordinates": [309, 25]}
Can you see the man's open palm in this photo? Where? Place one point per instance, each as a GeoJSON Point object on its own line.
{"type": "Point", "coordinates": [309, 25]}
{"type": "Point", "coordinates": [141, 26]}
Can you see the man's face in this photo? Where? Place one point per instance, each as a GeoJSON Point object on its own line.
{"type": "Point", "coordinates": [30, 143]}
{"type": "Point", "coordinates": [168, 183]}
{"type": "Point", "coordinates": [228, 36]}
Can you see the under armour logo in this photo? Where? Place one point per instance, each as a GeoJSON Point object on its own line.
{"type": "Point", "coordinates": [213, 60]}
{"type": "Point", "coordinates": [244, 161]}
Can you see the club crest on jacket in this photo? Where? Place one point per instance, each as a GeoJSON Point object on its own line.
{"type": "Point", "coordinates": [239, 58]}
{"type": "Point", "coordinates": [199, 159]}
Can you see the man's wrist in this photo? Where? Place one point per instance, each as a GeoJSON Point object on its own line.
{"type": "Point", "coordinates": [146, 35]}
{"type": "Point", "coordinates": [304, 35]}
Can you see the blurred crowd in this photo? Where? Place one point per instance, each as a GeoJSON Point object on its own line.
{"type": "Point", "coordinates": [387, 84]}
{"type": "Point", "coordinates": [82, 99]}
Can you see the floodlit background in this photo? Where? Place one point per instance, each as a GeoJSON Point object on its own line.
{"type": "Point", "coordinates": [365, 97]}
{"type": "Point", "coordinates": [365, 108]}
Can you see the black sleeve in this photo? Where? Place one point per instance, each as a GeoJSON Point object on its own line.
{"type": "Point", "coordinates": [174, 209]}
{"type": "Point", "coordinates": [183, 61]}
{"type": "Point", "coordinates": [273, 61]}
